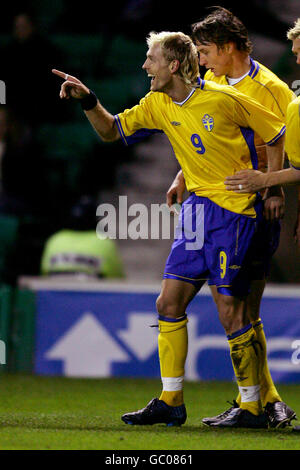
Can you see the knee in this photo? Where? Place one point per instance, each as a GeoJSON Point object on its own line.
{"type": "Point", "coordinates": [232, 314]}
{"type": "Point", "coordinates": [226, 316]}
{"type": "Point", "coordinates": [168, 308]}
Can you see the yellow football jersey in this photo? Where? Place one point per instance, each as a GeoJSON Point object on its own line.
{"type": "Point", "coordinates": [264, 86]}
{"type": "Point", "coordinates": [292, 142]}
{"type": "Point", "coordinates": [212, 135]}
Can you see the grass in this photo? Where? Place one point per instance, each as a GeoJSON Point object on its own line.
{"type": "Point", "coordinates": [40, 413]}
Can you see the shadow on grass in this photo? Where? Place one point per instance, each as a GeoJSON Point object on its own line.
{"type": "Point", "coordinates": [81, 423]}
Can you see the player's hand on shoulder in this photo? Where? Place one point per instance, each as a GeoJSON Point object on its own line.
{"type": "Point", "coordinates": [245, 181]}
{"type": "Point", "coordinates": [72, 87]}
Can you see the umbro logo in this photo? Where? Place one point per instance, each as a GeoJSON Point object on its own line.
{"type": "Point", "coordinates": [175, 123]}
{"type": "Point", "coordinates": [234, 266]}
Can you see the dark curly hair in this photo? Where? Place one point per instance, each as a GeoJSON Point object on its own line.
{"type": "Point", "coordinates": [221, 27]}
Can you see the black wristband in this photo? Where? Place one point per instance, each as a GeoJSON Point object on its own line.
{"type": "Point", "coordinates": [89, 101]}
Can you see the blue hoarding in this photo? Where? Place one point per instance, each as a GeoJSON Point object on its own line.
{"type": "Point", "coordinates": [110, 333]}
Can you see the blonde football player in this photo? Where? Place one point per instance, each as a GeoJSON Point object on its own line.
{"type": "Point", "coordinates": [224, 47]}
{"type": "Point", "coordinates": [210, 128]}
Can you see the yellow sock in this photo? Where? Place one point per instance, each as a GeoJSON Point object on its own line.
{"type": "Point", "coordinates": [245, 355]}
{"type": "Point", "coordinates": [172, 349]}
{"type": "Point", "coordinates": [268, 390]}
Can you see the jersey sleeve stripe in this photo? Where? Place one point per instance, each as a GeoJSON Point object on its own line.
{"type": "Point", "coordinates": [277, 136]}
{"type": "Point", "coordinates": [248, 135]}
{"type": "Point", "coordinates": [141, 134]}
{"type": "Point", "coordinates": [295, 167]}
{"type": "Point", "coordinates": [137, 136]}
{"type": "Point", "coordinates": [120, 129]}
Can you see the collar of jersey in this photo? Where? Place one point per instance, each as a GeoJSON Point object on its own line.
{"type": "Point", "coordinates": [186, 99]}
{"type": "Point", "coordinates": [254, 68]}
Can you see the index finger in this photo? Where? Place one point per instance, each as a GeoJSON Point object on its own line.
{"type": "Point", "coordinates": [60, 74]}
{"type": "Point", "coordinates": [66, 76]}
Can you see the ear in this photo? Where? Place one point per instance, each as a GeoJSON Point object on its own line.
{"type": "Point", "coordinates": [174, 66]}
{"type": "Point", "coordinates": [229, 47]}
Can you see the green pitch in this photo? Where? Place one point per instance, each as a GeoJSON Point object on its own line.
{"type": "Point", "coordinates": [60, 413]}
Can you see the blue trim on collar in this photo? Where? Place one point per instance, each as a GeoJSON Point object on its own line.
{"type": "Point", "coordinates": [254, 68]}
{"type": "Point", "coordinates": [201, 83]}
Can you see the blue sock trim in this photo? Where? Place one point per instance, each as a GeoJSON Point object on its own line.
{"type": "Point", "coordinates": [172, 320]}
{"type": "Point", "coordinates": [240, 332]}
{"type": "Point", "coordinates": [257, 324]}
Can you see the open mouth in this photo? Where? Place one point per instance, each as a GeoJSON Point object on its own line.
{"type": "Point", "coordinates": [152, 77]}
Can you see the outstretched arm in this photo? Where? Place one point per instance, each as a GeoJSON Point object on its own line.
{"type": "Point", "coordinates": [102, 121]}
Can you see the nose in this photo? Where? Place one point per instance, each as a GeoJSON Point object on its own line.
{"type": "Point", "coordinates": [202, 60]}
{"type": "Point", "coordinates": [144, 66]}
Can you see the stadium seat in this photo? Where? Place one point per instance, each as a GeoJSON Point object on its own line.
{"type": "Point", "coordinates": [71, 140]}
{"type": "Point", "coordinates": [120, 91]}
{"type": "Point", "coordinates": [126, 55]}
{"type": "Point", "coordinates": [81, 52]}
{"type": "Point", "coordinates": [48, 12]}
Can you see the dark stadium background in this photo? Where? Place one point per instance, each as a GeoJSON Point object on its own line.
{"type": "Point", "coordinates": [62, 159]}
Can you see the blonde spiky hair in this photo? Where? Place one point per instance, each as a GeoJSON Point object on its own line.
{"type": "Point", "coordinates": [178, 46]}
{"type": "Point", "coordinates": [294, 32]}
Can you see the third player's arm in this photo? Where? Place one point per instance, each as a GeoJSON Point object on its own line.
{"type": "Point", "coordinates": [282, 177]}
{"type": "Point", "coordinates": [274, 197]}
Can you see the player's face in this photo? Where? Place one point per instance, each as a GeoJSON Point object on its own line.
{"type": "Point", "coordinates": [296, 49]}
{"type": "Point", "coordinates": [216, 59]}
{"type": "Point", "coordinates": [158, 69]}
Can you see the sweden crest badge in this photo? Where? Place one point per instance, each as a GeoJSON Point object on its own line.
{"type": "Point", "coordinates": [208, 122]}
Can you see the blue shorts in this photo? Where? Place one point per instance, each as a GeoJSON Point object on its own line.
{"type": "Point", "coordinates": [264, 244]}
{"type": "Point", "coordinates": [212, 243]}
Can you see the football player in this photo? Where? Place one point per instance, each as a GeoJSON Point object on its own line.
{"type": "Point", "coordinates": [224, 49]}
{"type": "Point", "coordinates": [211, 128]}
{"type": "Point", "coordinates": [255, 181]}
